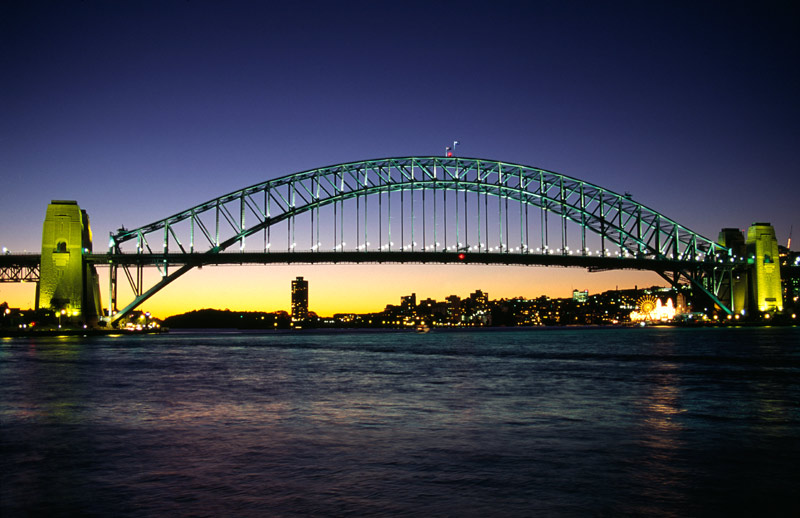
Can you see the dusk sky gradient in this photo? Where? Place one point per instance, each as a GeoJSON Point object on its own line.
{"type": "Point", "coordinates": [139, 110]}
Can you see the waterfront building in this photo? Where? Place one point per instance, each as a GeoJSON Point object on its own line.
{"type": "Point", "coordinates": [453, 308]}
{"type": "Point", "coordinates": [680, 304]}
{"type": "Point", "coordinates": [790, 277]}
{"type": "Point", "coordinates": [408, 304]}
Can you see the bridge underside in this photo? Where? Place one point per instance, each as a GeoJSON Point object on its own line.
{"type": "Point", "coordinates": [699, 275]}
{"type": "Point", "coordinates": [486, 258]}
{"type": "Point", "coordinates": [21, 268]}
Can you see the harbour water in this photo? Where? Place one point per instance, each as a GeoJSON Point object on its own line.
{"type": "Point", "coordinates": [584, 422]}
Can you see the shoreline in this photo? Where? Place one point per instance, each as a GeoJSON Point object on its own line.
{"type": "Point", "coordinates": [22, 333]}
{"type": "Point", "coordinates": [28, 333]}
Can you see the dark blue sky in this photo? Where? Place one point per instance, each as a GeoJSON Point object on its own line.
{"type": "Point", "coordinates": [142, 109]}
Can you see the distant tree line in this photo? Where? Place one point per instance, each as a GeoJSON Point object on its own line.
{"type": "Point", "coordinates": [222, 319]}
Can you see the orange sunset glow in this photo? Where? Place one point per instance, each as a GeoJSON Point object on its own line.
{"type": "Point", "coordinates": [350, 288]}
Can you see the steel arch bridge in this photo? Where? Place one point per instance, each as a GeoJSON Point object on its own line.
{"type": "Point", "coordinates": [419, 209]}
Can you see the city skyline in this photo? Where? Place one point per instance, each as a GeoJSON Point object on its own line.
{"type": "Point", "coordinates": [132, 113]}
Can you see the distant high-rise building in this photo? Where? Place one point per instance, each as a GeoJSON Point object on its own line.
{"type": "Point", "coordinates": [408, 304]}
{"type": "Point", "coordinates": [762, 250]}
{"type": "Point", "coordinates": [299, 300]}
{"type": "Point", "coordinates": [479, 299]}
{"type": "Point", "coordinates": [580, 296]}
{"type": "Point", "coordinates": [476, 308]}
{"type": "Point", "coordinates": [790, 277]}
{"type": "Point", "coordinates": [454, 308]}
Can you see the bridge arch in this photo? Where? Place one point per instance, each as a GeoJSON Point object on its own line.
{"type": "Point", "coordinates": [485, 201]}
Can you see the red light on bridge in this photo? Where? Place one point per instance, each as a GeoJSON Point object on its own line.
{"type": "Point", "coordinates": [462, 256]}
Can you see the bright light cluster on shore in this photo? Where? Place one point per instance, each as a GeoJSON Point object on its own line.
{"type": "Point", "coordinates": [652, 310]}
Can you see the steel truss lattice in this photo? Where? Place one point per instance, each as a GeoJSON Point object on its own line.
{"type": "Point", "coordinates": [390, 205]}
{"type": "Point", "coordinates": [19, 267]}
{"type": "Point", "coordinates": [19, 273]}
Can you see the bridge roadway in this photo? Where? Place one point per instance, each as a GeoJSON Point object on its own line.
{"type": "Point", "coordinates": [24, 267]}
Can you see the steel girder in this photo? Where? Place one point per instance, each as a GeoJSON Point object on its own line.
{"type": "Point", "coordinates": [19, 267]}
{"type": "Point", "coordinates": [19, 273]}
{"type": "Point", "coordinates": [631, 228]}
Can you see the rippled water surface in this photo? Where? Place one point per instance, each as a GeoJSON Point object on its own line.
{"type": "Point", "coordinates": [598, 422]}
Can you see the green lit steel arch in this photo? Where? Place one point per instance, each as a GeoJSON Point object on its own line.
{"type": "Point", "coordinates": [629, 227]}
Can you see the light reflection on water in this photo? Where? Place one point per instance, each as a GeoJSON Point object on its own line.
{"type": "Point", "coordinates": [664, 422]}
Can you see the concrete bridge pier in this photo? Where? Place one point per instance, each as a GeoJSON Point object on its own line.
{"type": "Point", "coordinates": [68, 284]}
{"type": "Point", "coordinates": [755, 286]}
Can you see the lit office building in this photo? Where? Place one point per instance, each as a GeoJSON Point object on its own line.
{"type": "Point", "coordinates": [299, 300]}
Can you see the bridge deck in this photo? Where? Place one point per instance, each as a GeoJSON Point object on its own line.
{"type": "Point", "coordinates": [31, 261]}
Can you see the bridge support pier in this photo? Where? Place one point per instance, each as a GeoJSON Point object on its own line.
{"type": "Point", "coordinates": [68, 284]}
{"type": "Point", "coordinates": [754, 286]}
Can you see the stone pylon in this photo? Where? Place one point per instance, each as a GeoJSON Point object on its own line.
{"type": "Point", "coordinates": [68, 283]}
